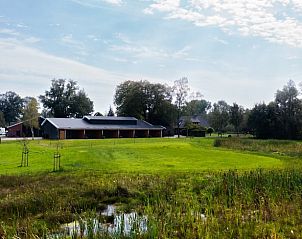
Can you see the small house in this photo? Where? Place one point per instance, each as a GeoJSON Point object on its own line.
{"type": "Point", "coordinates": [199, 121]}
{"type": "Point", "coordinates": [20, 130]}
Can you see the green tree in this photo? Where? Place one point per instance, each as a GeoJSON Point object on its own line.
{"type": "Point", "coordinates": [110, 112]}
{"type": "Point", "coordinates": [244, 127]}
{"type": "Point", "coordinates": [65, 100]}
{"type": "Point", "coordinates": [181, 90]}
{"type": "Point", "coordinates": [2, 120]}
{"type": "Point", "coordinates": [98, 114]}
{"type": "Point", "coordinates": [281, 118]}
{"type": "Point", "coordinates": [11, 105]}
{"type": "Point", "coordinates": [236, 116]}
{"type": "Point", "coordinates": [130, 99]}
{"type": "Point", "coordinates": [263, 121]}
{"type": "Point", "coordinates": [219, 116]}
{"type": "Point", "coordinates": [144, 100]}
{"type": "Point", "coordinates": [197, 107]}
{"type": "Point", "coordinates": [80, 105]}
{"type": "Point", "coordinates": [31, 115]}
{"type": "Point", "coordinates": [158, 104]}
{"type": "Point", "coordinates": [210, 130]}
{"type": "Point", "coordinates": [290, 111]}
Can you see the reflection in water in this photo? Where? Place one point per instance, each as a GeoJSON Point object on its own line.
{"type": "Point", "coordinates": [122, 224]}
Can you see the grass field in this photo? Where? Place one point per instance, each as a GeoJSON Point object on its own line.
{"type": "Point", "coordinates": [129, 155]}
{"type": "Point", "coordinates": [186, 188]}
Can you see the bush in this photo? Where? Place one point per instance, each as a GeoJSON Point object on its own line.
{"type": "Point", "coordinates": [217, 142]}
{"type": "Point", "coordinates": [210, 130]}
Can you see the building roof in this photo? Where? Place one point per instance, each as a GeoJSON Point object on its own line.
{"type": "Point", "coordinates": [41, 118]}
{"type": "Point", "coordinates": [197, 119]}
{"type": "Point", "coordinates": [108, 118]}
{"type": "Point", "coordinates": [76, 124]}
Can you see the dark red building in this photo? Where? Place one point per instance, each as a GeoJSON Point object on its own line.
{"type": "Point", "coordinates": [20, 130]}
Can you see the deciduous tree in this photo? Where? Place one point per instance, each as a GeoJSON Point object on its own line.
{"type": "Point", "coordinates": [289, 107]}
{"type": "Point", "coordinates": [31, 115]}
{"type": "Point", "coordinates": [11, 105]}
{"type": "Point", "coordinates": [219, 116]}
{"type": "Point", "coordinates": [66, 100]}
{"type": "Point", "coordinates": [144, 100]}
{"type": "Point", "coordinates": [197, 107]}
{"type": "Point", "coordinates": [130, 99]}
{"type": "Point", "coordinates": [236, 116]}
{"type": "Point", "coordinates": [80, 105]}
{"type": "Point", "coordinates": [263, 120]}
{"type": "Point", "coordinates": [2, 120]}
{"type": "Point", "coordinates": [181, 90]}
{"type": "Point", "coordinates": [98, 114]}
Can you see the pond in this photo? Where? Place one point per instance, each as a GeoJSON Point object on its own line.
{"type": "Point", "coordinates": [109, 222]}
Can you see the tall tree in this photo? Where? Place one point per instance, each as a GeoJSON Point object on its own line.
{"type": "Point", "coordinates": [290, 111]}
{"type": "Point", "coordinates": [158, 99]}
{"type": "Point", "coordinates": [130, 99]}
{"type": "Point", "coordinates": [281, 118]}
{"type": "Point", "coordinates": [236, 116]}
{"type": "Point", "coordinates": [144, 100]}
{"type": "Point", "coordinates": [80, 105]}
{"type": "Point", "coordinates": [110, 112]}
{"type": "Point", "coordinates": [181, 90]}
{"type": "Point", "coordinates": [31, 115]}
{"type": "Point", "coordinates": [219, 116]}
{"type": "Point", "coordinates": [197, 107]}
{"type": "Point", "coordinates": [11, 105]}
{"type": "Point", "coordinates": [263, 121]}
{"type": "Point", "coordinates": [2, 120]}
{"type": "Point", "coordinates": [66, 100]}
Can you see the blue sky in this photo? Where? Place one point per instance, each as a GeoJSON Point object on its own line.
{"type": "Point", "coordinates": [239, 51]}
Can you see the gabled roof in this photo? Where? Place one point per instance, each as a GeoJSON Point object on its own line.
{"type": "Point", "coordinates": [77, 124]}
{"type": "Point", "coordinates": [41, 118]}
{"type": "Point", "coordinates": [197, 119]}
{"type": "Point", "coordinates": [62, 123]}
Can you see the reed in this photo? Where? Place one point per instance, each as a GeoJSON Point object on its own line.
{"type": "Point", "coordinates": [250, 204]}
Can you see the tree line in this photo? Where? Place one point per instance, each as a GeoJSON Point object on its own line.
{"type": "Point", "coordinates": [164, 105]}
{"type": "Point", "coordinates": [161, 104]}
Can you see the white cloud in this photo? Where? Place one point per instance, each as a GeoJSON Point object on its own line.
{"type": "Point", "coordinates": [221, 41]}
{"type": "Point", "coordinates": [32, 40]}
{"type": "Point", "coordinates": [78, 47]}
{"type": "Point", "coordinates": [139, 50]}
{"type": "Point", "coordinates": [20, 25]}
{"type": "Point", "coordinates": [98, 3]}
{"type": "Point", "coordinates": [27, 70]}
{"type": "Point", "coordinates": [246, 17]}
{"type": "Point", "coordinates": [114, 2]}
{"type": "Point", "coordinates": [93, 37]}
{"type": "Point", "coordinates": [54, 24]}
{"type": "Point", "coordinates": [15, 36]}
{"type": "Point", "coordinates": [9, 32]}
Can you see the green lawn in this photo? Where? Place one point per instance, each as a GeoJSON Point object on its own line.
{"type": "Point", "coordinates": [187, 188]}
{"type": "Point", "coordinates": [132, 155]}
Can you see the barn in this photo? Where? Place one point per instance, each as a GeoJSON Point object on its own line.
{"type": "Point", "coordinates": [21, 130]}
{"type": "Point", "coordinates": [98, 127]}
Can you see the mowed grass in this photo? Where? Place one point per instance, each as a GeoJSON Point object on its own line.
{"type": "Point", "coordinates": [186, 188]}
{"type": "Point", "coordinates": [154, 155]}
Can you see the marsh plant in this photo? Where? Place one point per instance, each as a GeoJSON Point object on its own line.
{"type": "Point", "coordinates": [251, 204]}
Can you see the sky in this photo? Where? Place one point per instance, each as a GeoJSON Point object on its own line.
{"type": "Point", "coordinates": [234, 50]}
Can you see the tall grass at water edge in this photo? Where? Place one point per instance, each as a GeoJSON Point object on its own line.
{"type": "Point", "coordinates": [254, 204]}
{"type": "Point", "coordinates": [279, 147]}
